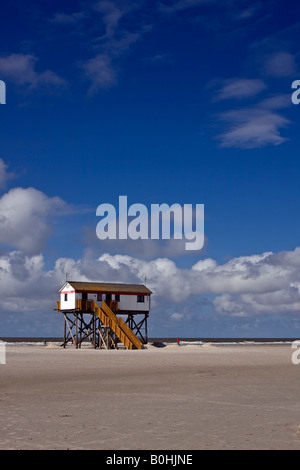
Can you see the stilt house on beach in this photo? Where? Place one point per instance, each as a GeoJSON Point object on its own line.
{"type": "Point", "coordinates": [106, 314]}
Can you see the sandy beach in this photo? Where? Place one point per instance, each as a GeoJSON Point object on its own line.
{"type": "Point", "coordinates": [179, 398]}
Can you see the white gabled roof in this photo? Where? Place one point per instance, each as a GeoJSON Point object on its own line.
{"type": "Point", "coordinates": [106, 287]}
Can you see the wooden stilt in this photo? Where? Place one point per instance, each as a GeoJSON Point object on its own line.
{"type": "Point", "coordinates": [103, 329]}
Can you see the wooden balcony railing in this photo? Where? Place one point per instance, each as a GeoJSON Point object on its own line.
{"type": "Point", "coordinates": [86, 305]}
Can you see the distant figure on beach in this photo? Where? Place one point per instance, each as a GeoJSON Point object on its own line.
{"type": "Point", "coordinates": [178, 341]}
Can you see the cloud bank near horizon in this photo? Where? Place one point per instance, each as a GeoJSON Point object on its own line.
{"type": "Point", "coordinates": [244, 286]}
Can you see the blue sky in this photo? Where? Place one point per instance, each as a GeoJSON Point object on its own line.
{"type": "Point", "coordinates": [185, 101]}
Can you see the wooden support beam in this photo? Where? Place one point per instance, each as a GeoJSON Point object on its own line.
{"type": "Point", "coordinates": [103, 328]}
{"type": "Point", "coordinates": [137, 327]}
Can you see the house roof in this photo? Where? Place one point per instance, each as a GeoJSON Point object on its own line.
{"type": "Point", "coordinates": [108, 287]}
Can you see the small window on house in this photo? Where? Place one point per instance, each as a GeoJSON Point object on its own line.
{"type": "Point", "coordinates": [66, 297]}
{"type": "Point", "coordinates": [99, 297]}
{"type": "Point", "coordinates": [84, 296]}
{"type": "Point", "coordinates": [117, 297]}
{"type": "Point", "coordinates": [141, 298]}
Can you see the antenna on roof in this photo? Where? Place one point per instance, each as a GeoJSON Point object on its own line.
{"type": "Point", "coordinates": [145, 281]}
{"type": "Point", "coordinates": [67, 276]}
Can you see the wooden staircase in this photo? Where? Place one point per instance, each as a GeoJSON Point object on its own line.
{"type": "Point", "coordinates": [117, 325]}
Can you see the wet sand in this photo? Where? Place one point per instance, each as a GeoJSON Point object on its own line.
{"type": "Point", "coordinates": [178, 398]}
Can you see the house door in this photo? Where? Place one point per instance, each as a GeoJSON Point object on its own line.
{"type": "Point", "coordinates": [108, 297]}
{"type": "Point", "coordinates": [84, 302]}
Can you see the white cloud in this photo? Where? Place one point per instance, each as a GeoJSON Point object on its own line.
{"type": "Point", "coordinates": [204, 265]}
{"type": "Point", "coordinates": [245, 286]}
{"type": "Point", "coordinates": [25, 286]}
{"type": "Point", "coordinates": [280, 64]}
{"type": "Point", "coordinates": [24, 218]}
{"type": "Point", "coordinates": [141, 248]}
{"type": "Point", "coordinates": [240, 88]}
{"type": "Point", "coordinates": [264, 283]}
{"type": "Point", "coordinates": [247, 12]}
{"type": "Point", "coordinates": [281, 301]}
{"type": "Point", "coordinates": [252, 128]}
{"type": "Point", "coordinates": [61, 18]}
{"type": "Point", "coordinates": [21, 69]}
{"type": "Point", "coordinates": [4, 174]}
{"type": "Point", "coordinates": [111, 38]}
{"type": "Point", "coordinates": [100, 71]}
{"type": "Point", "coordinates": [111, 15]}
{"type": "Point", "coordinates": [181, 5]}
{"type": "Point", "coordinates": [259, 281]}
{"type": "Point", "coordinates": [276, 102]}
{"type": "Point", "coordinates": [177, 316]}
